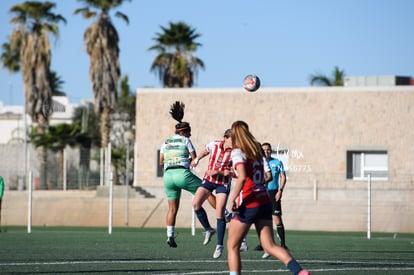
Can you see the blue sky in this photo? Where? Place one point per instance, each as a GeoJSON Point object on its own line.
{"type": "Point", "coordinates": [283, 42]}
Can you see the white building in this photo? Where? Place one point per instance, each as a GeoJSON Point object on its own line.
{"type": "Point", "coordinates": [13, 121]}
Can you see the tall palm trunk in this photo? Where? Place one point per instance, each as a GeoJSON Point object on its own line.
{"type": "Point", "coordinates": [105, 128]}
{"type": "Point", "coordinates": [42, 155]}
{"type": "Point", "coordinates": [38, 93]}
{"type": "Point", "coordinates": [101, 41]}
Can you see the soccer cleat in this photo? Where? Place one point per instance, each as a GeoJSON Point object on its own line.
{"type": "Point", "coordinates": [218, 251]}
{"type": "Point", "coordinates": [209, 233]}
{"type": "Point", "coordinates": [265, 255]}
{"type": "Point", "coordinates": [171, 242]}
{"type": "Point", "coordinates": [243, 247]}
{"type": "Point", "coordinates": [258, 248]}
{"type": "Point", "coordinates": [304, 272]}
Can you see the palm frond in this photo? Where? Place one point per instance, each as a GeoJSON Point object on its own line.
{"type": "Point", "coordinates": [122, 16]}
{"type": "Point", "coordinates": [176, 64]}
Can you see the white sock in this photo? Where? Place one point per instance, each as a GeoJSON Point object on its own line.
{"type": "Point", "coordinates": [170, 230]}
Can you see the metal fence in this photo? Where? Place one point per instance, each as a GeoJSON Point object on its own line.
{"type": "Point", "coordinates": [77, 174]}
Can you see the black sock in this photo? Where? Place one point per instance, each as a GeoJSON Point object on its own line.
{"type": "Point", "coordinates": [202, 217]}
{"type": "Point", "coordinates": [221, 229]}
{"type": "Point", "coordinates": [294, 266]}
{"type": "Point", "coordinates": [281, 233]}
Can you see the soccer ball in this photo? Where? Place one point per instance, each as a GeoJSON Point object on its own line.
{"type": "Point", "coordinates": [251, 83]}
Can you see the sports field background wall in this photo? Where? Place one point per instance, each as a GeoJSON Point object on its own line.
{"type": "Point", "coordinates": [332, 210]}
{"type": "Point", "coordinates": [317, 125]}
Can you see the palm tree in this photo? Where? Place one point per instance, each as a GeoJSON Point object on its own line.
{"type": "Point", "coordinates": [33, 22]}
{"type": "Point", "coordinates": [175, 63]}
{"type": "Point", "coordinates": [56, 83]}
{"type": "Point", "coordinates": [10, 58]}
{"type": "Point", "coordinates": [101, 40]}
{"type": "Point", "coordinates": [337, 78]}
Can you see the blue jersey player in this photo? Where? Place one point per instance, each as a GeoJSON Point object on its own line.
{"type": "Point", "coordinates": [275, 190]}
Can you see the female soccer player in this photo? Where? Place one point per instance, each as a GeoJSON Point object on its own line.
{"type": "Point", "coordinates": [217, 177]}
{"type": "Point", "coordinates": [251, 204]}
{"type": "Point", "coordinates": [175, 155]}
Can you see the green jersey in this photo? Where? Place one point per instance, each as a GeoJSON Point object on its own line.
{"type": "Point", "coordinates": [176, 150]}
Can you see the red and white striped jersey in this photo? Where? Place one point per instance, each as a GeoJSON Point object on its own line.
{"type": "Point", "coordinates": [219, 160]}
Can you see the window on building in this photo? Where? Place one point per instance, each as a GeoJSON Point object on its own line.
{"type": "Point", "coordinates": [362, 163]}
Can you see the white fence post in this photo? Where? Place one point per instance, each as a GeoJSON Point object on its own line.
{"type": "Point", "coordinates": [369, 208]}
{"type": "Point", "coordinates": [101, 167]}
{"type": "Point", "coordinates": [126, 184]}
{"type": "Point", "coordinates": [29, 204]}
{"type": "Point", "coordinates": [109, 183]}
{"type": "Point", "coordinates": [110, 203]}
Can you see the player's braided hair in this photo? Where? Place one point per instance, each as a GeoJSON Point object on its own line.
{"type": "Point", "coordinates": [177, 113]}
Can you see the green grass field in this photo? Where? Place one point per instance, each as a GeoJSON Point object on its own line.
{"type": "Point", "coordinates": [144, 251]}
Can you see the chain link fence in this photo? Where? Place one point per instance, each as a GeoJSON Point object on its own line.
{"type": "Point", "coordinates": [80, 167]}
